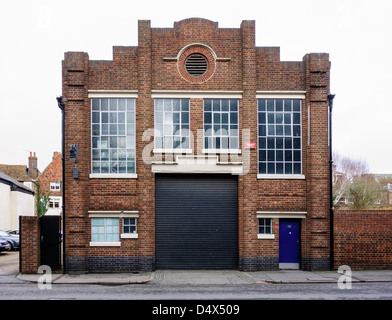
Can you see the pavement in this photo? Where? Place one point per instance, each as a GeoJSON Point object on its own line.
{"type": "Point", "coordinates": [207, 277]}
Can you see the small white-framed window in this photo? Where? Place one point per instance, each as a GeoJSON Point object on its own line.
{"type": "Point", "coordinates": [55, 186]}
{"type": "Point", "coordinates": [265, 229]}
{"type": "Point", "coordinates": [54, 203]}
{"type": "Point", "coordinates": [129, 228]}
{"type": "Point", "coordinates": [105, 231]}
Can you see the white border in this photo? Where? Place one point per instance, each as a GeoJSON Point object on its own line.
{"type": "Point", "coordinates": [105, 244]}
{"type": "Point", "coordinates": [281, 214]}
{"type": "Point", "coordinates": [113, 176]}
{"type": "Point", "coordinates": [281, 94]}
{"type": "Point", "coordinates": [115, 214]}
{"type": "Point", "coordinates": [266, 236]}
{"type": "Point", "coordinates": [281, 176]}
{"type": "Point", "coordinates": [112, 94]}
{"type": "Point", "coordinates": [156, 94]}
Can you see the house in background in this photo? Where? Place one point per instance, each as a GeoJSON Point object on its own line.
{"type": "Point", "coordinates": [50, 182]}
{"type": "Point", "coordinates": [385, 182]}
{"type": "Point", "coordinates": [22, 173]}
{"type": "Point", "coordinates": [17, 192]}
{"type": "Point", "coordinates": [16, 200]}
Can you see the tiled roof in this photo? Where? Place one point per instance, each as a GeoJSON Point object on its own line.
{"type": "Point", "coordinates": [15, 185]}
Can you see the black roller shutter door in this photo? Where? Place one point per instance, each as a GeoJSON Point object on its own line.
{"type": "Point", "coordinates": [196, 222]}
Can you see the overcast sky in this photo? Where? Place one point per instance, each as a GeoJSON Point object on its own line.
{"type": "Point", "coordinates": [35, 34]}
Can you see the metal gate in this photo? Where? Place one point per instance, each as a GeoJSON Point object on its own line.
{"type": "Point", "coordinates": [51, 241]}
{"type": "Point", "coordinates": [196, 222]}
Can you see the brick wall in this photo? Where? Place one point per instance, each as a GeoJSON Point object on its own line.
{"type": "Point", "coordinates": [240, 67]}
{"type": "Point", "coordinates": [52, 173]}
{"type": "Point", "coordinates": [30, 244]}
{"type": "Point", "coordinates": [363, 239]}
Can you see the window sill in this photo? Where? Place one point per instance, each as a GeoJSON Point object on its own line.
{"type": "Point", "coordinates": [281, 176]}
{"type": "Point", "coordinates": [265, 236]}
{"type": "Point", "coordinates": [217, 151]}
{"type": "Point", "coordinates": [172, 151]}
{"type": "Point", "coordinates": [105, 244]}
{"type": "Point", "coordinates": [129, 236]}
{"type": "Point", "coordinates": [113, 176]}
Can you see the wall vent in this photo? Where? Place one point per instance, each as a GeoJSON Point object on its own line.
{"type": "Point", "coordinates": [196, 64]}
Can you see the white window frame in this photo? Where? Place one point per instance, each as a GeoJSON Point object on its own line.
{"type": "Point", "coordinates": [129, 235]}
{"type": "Point", "coordinates": [180, 134]}
{"type": "Point", "coordinates": [213, 135]}
{"type": "Point", "coordinates": [266, 175]}
{"type": "Point", "coordinates": [100, 95]}
{"type": "Point", "coordinates": [117, 215]}
{"type": "Point", "coordinates": [105, 227]}
{"type": "Point", "coordinates": [264, 235]}
{"type": "Point", "coordinates": [52, 203]}
{"type": "Point", "coordinates": [55, 186]}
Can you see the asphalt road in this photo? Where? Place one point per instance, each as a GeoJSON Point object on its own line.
{"type": "Point", "coordinates": [14, 289]}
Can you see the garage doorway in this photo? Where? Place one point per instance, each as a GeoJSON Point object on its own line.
{"type": "Point", "coordinates": [196, 221]}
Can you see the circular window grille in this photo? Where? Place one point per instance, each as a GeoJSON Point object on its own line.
{"type": "Point", "coordinates": [196, 64]}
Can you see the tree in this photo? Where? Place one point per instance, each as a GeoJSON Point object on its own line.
{"type": "Point", "coordinates": [42, 200]}
{"type": "Point", "coordinates": [364, 192]}
{"type": "Point", "coordinates": [352, 180]}
{"type": "Point", "coordinates": [344, 171]}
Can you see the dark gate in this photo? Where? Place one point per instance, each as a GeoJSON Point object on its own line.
{"type": "Point", "coordinates": [196, 222]}
{"type": "Point", "coordinates": [51, 242]}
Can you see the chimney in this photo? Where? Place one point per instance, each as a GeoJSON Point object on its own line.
{"type": "Point", "coordinates": [33, 167]}
{"type": "Point", "coordinates": [55, 153]}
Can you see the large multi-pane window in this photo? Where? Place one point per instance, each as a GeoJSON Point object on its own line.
{"type": "Point", "coordinates": [279, 136]}
{"type": "Point", "coordinates": [104, 229]}
{"type": "Point", "coordinates": [171, 120]}
{"type": "Point", "coordinates": [221, 124]}
{"type": "Point", "coordinates": [113, 136]}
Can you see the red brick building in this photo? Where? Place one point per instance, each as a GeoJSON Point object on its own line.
{"type": "Point", "coordinates": [50, 182]}
{"type": "Point", "coordinates": [196, 149]}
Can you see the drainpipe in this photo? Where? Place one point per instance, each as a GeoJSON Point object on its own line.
{"type": "Point", "coordinates": [61, 105]}
{"type": "Point", "coordinates": [330, 99]}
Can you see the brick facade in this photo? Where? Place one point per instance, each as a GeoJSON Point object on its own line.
{"type": "Point", "coordinates": [30, 243]}
{"type": "Point", "coordinates": [239, 68]}
{"type": "Point", "coordinates": [363, 239]}
{"type": "Point", "coordinates": [52, 174]}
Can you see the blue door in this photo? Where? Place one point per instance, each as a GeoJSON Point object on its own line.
{"type": "Point", "coordinates": [289, 244]}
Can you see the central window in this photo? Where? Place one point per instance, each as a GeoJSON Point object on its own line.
{"type": "Point", "coordinates": [171, 120]}
{"type": "Point", "coordinates": [221, 124]}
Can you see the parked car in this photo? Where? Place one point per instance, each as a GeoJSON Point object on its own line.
{"type": "Point", "coordinates": [4, 245]}
{"type": "Point", "coordinates": [14, 232]}
{"type": "Point", "coordinates": [13, 240]}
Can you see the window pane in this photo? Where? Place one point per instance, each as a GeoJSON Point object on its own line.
{"type": "Point", "coordinates": [95, 104]}
{"type": "Point", "coordinates": [176, 105]}
{"type": "Point", "coordinates": [185, 105]}
{"type": "Point", "coordinates": [225, 105]}
{"type": "Point", "coordinates": [233, 105]}
{"type": "Point", "coordinates": [207, 105]}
